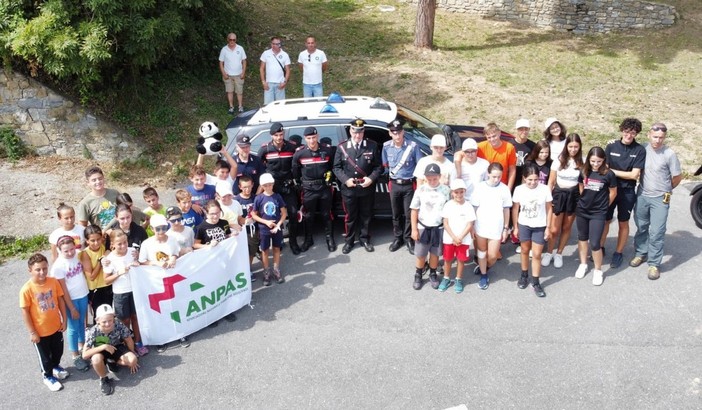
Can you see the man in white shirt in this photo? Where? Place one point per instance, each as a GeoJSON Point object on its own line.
{"type": "Point", "coordinates": [275, 71]}
{"type": "Point", "coordinates": [232, 65]}
{"type": "Point", "coordinates": [313, 63]}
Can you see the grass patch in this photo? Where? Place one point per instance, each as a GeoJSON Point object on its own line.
{"type": "Point", "coordinates": [11, 247]}
{"type": "Point", "coordinates": [11, 146]}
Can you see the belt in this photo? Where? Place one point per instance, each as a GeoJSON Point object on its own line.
{"type": "Point", "coordinates": [403, 181]}
{"type": "Point", "coordinates": [313, 182]}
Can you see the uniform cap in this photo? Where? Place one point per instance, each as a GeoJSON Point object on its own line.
{"type": "Point", "coordinates": [266, 179]}
{"type": "Point", "coordinates": [243, 140]}
{"type": "Point", "coordinates": [432, 169]}
{"type": "Point", "coordinates": [276, 127]}
{"type": "Point", "coordinates": [358, 125]}
{"type": "Point", "coordinates": [395, 125]}
{"type": "Point", "coordinates": [310, 131]}
{"type": "Point", "coordinates": [438, 140]}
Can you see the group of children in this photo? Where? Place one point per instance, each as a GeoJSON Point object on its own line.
{"type": "Point", "coordinates": [91, 259]}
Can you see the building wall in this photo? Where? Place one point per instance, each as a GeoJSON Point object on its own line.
{"type": "Point", "coordinates": [579, 16]}
{"type": "Point", "coordinates": [52, 124]}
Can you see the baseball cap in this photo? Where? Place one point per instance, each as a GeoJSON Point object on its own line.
{"type": "Point", "coordinates": [224, 188]}
{"type": "Point", "coordinates": [104, 310]}
{"type": "Point", "coordinates": [243, 140]}
{"type": "Point", "coordinates": [310, 131]}
{"type": "Point", "coordinates": [358, 125]}
{"type": "Point", "coordinates": [172, 211]}
{"type": "Point", "coordinates": [276, 127]}
{"type": "Point", "coordinates": [395, 125]}
{"type": "Point", "coordinates": [550, 122]}
{"type": "Point", "coordinates": [457, 184]}
{"type": "Point", "coordinates": [432, 169]}
{"type": "Point", "coordinates": [266, 179]}
{"type": "Point", "coordinates": [158, 220]}
{"type": "Point", "coordinates": [438, 140]}
{"type": "Point", "coordinates": [469, 144]}
{"type": "Point", "coordinates": [522, 122]}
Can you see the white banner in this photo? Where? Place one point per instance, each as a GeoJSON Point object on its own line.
{"type": "Point", "coordinates": [204, 286]}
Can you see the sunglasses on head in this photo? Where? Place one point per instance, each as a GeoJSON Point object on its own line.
{"type": "Point", "coordinates": [657, 128]}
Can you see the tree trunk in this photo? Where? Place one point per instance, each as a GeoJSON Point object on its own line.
{"type": "Point", "coordinates": [424, 30]}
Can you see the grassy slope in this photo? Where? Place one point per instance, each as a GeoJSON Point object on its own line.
{"type": "Point", "coordinates": [482, 70]}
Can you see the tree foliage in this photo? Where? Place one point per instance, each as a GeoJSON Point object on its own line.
{"type": "Point", "coordinates": [104, 41]}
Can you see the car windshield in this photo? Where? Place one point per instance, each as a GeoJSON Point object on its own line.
{"type": "Point", "coordinates": [422, 128]}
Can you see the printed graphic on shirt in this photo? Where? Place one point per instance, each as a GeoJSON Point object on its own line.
{"type": "Point", "coordinates": [593, 184]}
{"type": "Point", "coordinates": [162, 256]}
{"type": "Point", "coordinates": [45, 301]}
{"type": "Point", "coordinates": [106, 213]}
{"type": "Point", "coordinates": [530, 209]}
{"type": "Point", "coordinates": [270, 208]}
{"type": "Point", "coordinates": [216, 234]}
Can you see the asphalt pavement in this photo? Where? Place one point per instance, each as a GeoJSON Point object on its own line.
{"type": "Point", "coordinates": [349, 332]}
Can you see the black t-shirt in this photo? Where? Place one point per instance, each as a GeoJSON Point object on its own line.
{"type": "Point", "coordinates": [594, 200]}
{"type": "Point", "coordinates": [523, 150]}
{"type": "Point", "coordinates": [625, 158]}
{"type": "Point", "coordinates": [206, 231]}
{"type": "Point", "coordinates": [135, 236]}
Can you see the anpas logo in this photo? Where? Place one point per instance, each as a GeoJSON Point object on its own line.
{"type": "Point", "coordinates": [196, 305]}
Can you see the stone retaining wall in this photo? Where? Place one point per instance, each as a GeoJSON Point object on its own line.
{"type": "Point", "coordinates": [52, 124]}
{"type": "Point", "coordinates": [579, 16]}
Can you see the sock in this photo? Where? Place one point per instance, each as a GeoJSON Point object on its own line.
{"type": "Point", "coordinates": [525, 273]}
{"type": "Point", "coordinates": [432, 271]}
{"type": "Point", "coordinates": [534, 280]}
{"type": "Point", "coordinates": [419, 271]}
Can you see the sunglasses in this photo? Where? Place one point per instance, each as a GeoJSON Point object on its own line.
{"type": "Point", "coordinates": [160, 228]}
{"type": "Point", "coordinates": [176, 221]}
{"type": "Point", "coordinates": [231, 39]}
{"type": "Point", "coordinates": [657, 128]}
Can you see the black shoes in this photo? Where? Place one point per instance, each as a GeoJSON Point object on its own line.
{"type": "Point", "coordinates": [417, 281]}
{"type": "Point", "coordinates": [306, 245]}
{"type": "Point", "coordinates": [347, 248]}
{"type": "Point", "coordinates": [369, 247]}
{"type": "Point", "coordinates": [538, 290]}
{"type": "Point", "coordinates": [434, 280]}
{"type": "Point", "coordinates": [230, 317]}
{"type": "Point", "coordinates": [395, 245]}
{"type": "Point", "coordinates": [106, 386]}
{"type": "Point", "coordinates": [331, 244]}
{"type": "Point", "coordinates": [523, 282]}
{"type": "Point", "coordinates": [410, 247]}
{"type": "Point", "coordinates": [294, 248]}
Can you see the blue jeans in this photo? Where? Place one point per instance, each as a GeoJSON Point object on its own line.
{"type": "Point", "coordinates": [76, 327]}
{"type": "Point", "coordinates": [312, 90]}
{"type": "Point", "coordinates": [651, 217]}
{"type": "Point", "coordinates": [273, 93]}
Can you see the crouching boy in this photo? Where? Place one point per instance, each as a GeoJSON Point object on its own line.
{"type": "Point", "coordinates": [107, 344]}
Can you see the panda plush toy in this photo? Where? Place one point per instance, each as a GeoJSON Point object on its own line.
{"type": "Point", "coordinates": [210, 140]}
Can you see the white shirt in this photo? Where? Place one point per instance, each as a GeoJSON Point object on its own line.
{"type": "Point", "coordinates": [155, 251]}
{"type": "Point", "coordinates": [473, 174]}
{"type": "Point", "coordinates": [448, 169]}
{"type": "Point", "coordinates": [71, 270]}
{"type": "Point", "coordinates": [556, 148]}
{"type": "Point", "coordinates": [458, 216]}
{"type": "Point", "coordinates": [568, 177]}
{"type": "Point", "coordinates": [274, 72]}
{"type": "Point", "coordinates": [490, 202]}
{"type": "Point", "coordinates": [185, 239]}
{"type": "Point", "coordinates": [123, 284]}
{"type": "Point", "coordinates": [312, 66]}
{"type": "Point", "coordinates": [233, 59]}
{"type": "Point", "coordinates": [532, 204]}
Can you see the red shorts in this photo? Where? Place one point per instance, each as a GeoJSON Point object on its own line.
{"type": "Point", "coordinates": [459, 252]}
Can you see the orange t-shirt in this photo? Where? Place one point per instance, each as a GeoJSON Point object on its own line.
{"type": "Point", "coordinates": [505, 155]}
{"type": "Point", "coordinates": [43, 304]}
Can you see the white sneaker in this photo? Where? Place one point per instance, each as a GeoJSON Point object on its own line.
{"type": "Point", "coordinates": [60, 373]}
{"type": "Point", "coordinates": [597, 277]}
{"type": "Point", "coordinates": [545, 259]}
{"type": "Point", "coordinates": [582, 271]}
{"type": "Point", "coordinates": [52, 383]}
{"type": "Point", "coordinates": [557, 260]}
{"type": "Point", "coordinates": [518, 250]}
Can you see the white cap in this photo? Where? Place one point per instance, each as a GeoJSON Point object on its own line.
{"type": "Point", "coordinates": [469, 143]}
{"type": "Point", "coordinates": [103, 310]}
{"type": "Point", "coordinates": [266, 179]}
{"type": "Point", "coordinates": [224, 188]}
{"type": "Point", "coordinates": [457, 183]}
{"type": "Point", "coordinates": [438, 140]}
{"type": "Point", "coordinates": [550, 122]}
{"type": "Point", "coordinates": [158, 220]}
{"type": "Point", "coordinates": [522, 123]}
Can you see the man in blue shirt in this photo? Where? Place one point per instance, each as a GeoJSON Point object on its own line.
{"type": "Point", "coordinates": [400, 157]}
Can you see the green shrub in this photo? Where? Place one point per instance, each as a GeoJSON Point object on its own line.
{"type": "Point", "coordinates": [11, 146]}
